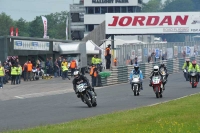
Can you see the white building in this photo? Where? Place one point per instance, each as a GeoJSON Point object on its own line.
{"type": "Point", "coordinates": [95, 10]}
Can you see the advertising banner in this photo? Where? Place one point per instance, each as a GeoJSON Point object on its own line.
{"type": "Point", "coordinates": [31, 45]}
{"type": "Point", "coordinates": [152, 23]}
{"type": "Point", "coordinates": [11, 31]}
{"type": "Point", "coordinates": [132, 54]}
{"type": "Point", "coordinates": [145, 52]}
{"type": "Point", "coordinates": [44, 19]}
{"type": "Point", "coordinates": [157, 52]}
{"type": "Point", "coordinates": [67, 29]}
{"type": "Point", "coordinates": [139, 55]}
{"type": "Point", "coordinates": [16, 32]}
{"type": "Point", "coordinates": [175, 51]}
{"type": "Point", "coordinates": [188, 50]}
{"type": "Point", "coordinates": [192, 51]}
{"type": "Point", "coordinates": [169, 53]}
{"type": "Point", "coordinates": [149, 51]}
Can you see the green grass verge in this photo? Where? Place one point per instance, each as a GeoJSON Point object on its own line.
{"type": "Point", "coordinates": [178, 116]}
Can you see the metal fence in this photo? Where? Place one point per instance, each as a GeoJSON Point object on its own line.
{"type": "Point", "coordinates": [127, 52]}
{"type": "Point", "coordinates": [120, 74]}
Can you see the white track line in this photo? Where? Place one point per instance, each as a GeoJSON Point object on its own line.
{"type": "Point", "coordinates": [173, 99]}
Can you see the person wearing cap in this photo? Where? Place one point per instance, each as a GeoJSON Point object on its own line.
{"type": "Point", "coordinates": [2, 74]}
{"type": "Point", "coordinates": [108, 56]}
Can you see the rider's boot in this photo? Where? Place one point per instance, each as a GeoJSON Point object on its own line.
{"type": "Point", "coordinates": [141, 86]}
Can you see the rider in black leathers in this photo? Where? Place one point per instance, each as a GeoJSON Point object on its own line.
{"type": "Point", "coordinates": [162, 65]}
{"type": "Point", "coordinates": [78, 79]}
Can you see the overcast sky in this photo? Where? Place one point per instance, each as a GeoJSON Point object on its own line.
{"type": "Point", "coordinates": [29, 9]}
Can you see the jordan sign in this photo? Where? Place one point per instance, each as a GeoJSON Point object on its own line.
{"type": "Point", "coordinates": [153, 23]}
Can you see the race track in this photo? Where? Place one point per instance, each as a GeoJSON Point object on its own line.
{"type": "Point", "coordinates": [30, 112]}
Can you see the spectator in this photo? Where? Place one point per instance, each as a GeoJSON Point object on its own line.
{"type": "Point", "coordinates": [2, 74]}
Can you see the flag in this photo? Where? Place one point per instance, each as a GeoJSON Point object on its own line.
{"type": "Point", "coordinates": [67, 28]}
{"type": "Point", "coordinates": [11, 31]}
{"type": "Point", "coordinates": [44, 19]}
{"type": "Point", "coordinates": [16, 31]}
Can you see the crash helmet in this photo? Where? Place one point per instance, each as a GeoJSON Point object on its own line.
{"type": "Point", "coordinates": [136, 67]}
{"type": "Point", "coordinates": [187, 60]}
{"type": "Point", "coordinates": [76, 74]}
{"type": "Point", "coordinates": [155, 69]}
{"type": "Point", "coordinates": [162, 64]}
{"type": "Point", "coordinates": [194, 63]}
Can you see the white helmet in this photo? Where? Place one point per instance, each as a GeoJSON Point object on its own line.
{"type": "Point", "coordinates": [76, 73]}
{"type": "Point", "coordinates": [155, 69]}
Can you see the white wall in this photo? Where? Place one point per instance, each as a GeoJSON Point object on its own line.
{"type": "Point", "coordinates": [130, 3]}
{"type": "Point", "coordinates": [94, 18]}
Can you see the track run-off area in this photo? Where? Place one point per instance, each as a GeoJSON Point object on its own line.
{"type": "Point", "coordinates": [41, 109]}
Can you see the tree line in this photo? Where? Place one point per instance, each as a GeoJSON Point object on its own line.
{"type": "Point", "coordinates": [172, 6]}
{"type": "Point", "coordinates": [57, 21]}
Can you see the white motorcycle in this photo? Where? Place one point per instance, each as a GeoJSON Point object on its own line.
{"type": "Point", "coordinates": [136, 85]}
{"type": "Point", "coordinates": [88, 97]}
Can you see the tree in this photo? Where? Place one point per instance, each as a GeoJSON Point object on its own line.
{"type": "Point", "coordinates": [23, 26]}
{"type": "Point", "coordinates": [5, 23]}
{"type": "Point", "coordinates": [179, 6]}
{"type": "Point", "coordinates": [56, 25]}
{"type": "Point", "coordinates": [152, 6]}
{"type": "Point", "coordinates": [36, 28]}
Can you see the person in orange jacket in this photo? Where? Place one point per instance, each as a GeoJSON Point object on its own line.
{"type": "Point", "coordinates": [29, 70]}
{"type": "Point", "coordinates": [73, 66]}
{"type": "Point", "coordinates": [93, 74]}
{"type": "Point", "coordinates": [115, 62]}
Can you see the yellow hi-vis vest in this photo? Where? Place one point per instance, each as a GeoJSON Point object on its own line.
{"type": "Point", "coordinates": [64, 68]}
{"type": "Point", "coordinates": [13, 71]}
{"type": "Point", "coordinates": [1, 72]}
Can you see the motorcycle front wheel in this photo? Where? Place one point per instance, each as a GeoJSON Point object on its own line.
{"type": "Point", "coordinates": [157, 92]}
{"type": "Point", "coordinates": [87, 100]}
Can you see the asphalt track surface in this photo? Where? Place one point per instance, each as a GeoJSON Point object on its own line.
{"type": "Point", "coordinates": [31, 112]}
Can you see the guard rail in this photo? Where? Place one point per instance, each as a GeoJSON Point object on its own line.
{"type": "Point", "coordinates": [120, 74]}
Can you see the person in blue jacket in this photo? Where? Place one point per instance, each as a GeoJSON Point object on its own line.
{"type": "Point", "coordinates": [136, 71]}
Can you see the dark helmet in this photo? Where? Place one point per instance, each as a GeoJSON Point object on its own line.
{"type": "Point", "coordinates": [136, 67]}
{"type": "Point", "coordinates": [162, 64]}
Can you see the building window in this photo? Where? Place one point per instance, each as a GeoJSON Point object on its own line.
{"type": "Point", "coordinates": [117, 9]}
{"type": "Point", "coordinates": [103, 10]}
{"type": "Point", "coordinates": [138, 9]}
{"type": "Point", "coordinates": [123, 9]}
{"type": "Point", "coordinates": [110, 9]}
{"type": "Point", "coordinates": [130, 9]}
{"type": "Point", "coordinates": [97, 10]}
{"type": "Point", "coordinates": [90, 10]}
{"type": "Point", "coordinates": [140, 1]}
{"type": "Point", "coordinates": [90, 27]}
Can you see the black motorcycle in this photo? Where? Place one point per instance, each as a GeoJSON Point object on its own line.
{"type": "Point", "coordinates": [88, 97]}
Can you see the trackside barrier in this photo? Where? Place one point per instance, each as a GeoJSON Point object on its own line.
{"type": "Point", "coordinates": [121, 74]}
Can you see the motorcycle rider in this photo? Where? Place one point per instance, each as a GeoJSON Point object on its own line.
{"type": "Point", "coordinates": [78, 79]}
{"type": "Point", "coordinates": [137, 71]}
{"type": "Point", "coordinates": [186, 64]}
{"type": "Point", "coordinates": [155, 72]}
{"type": "Point", "coordinates": [194, 67]}
{"type": "Point", "coordinates": [162, 65]}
